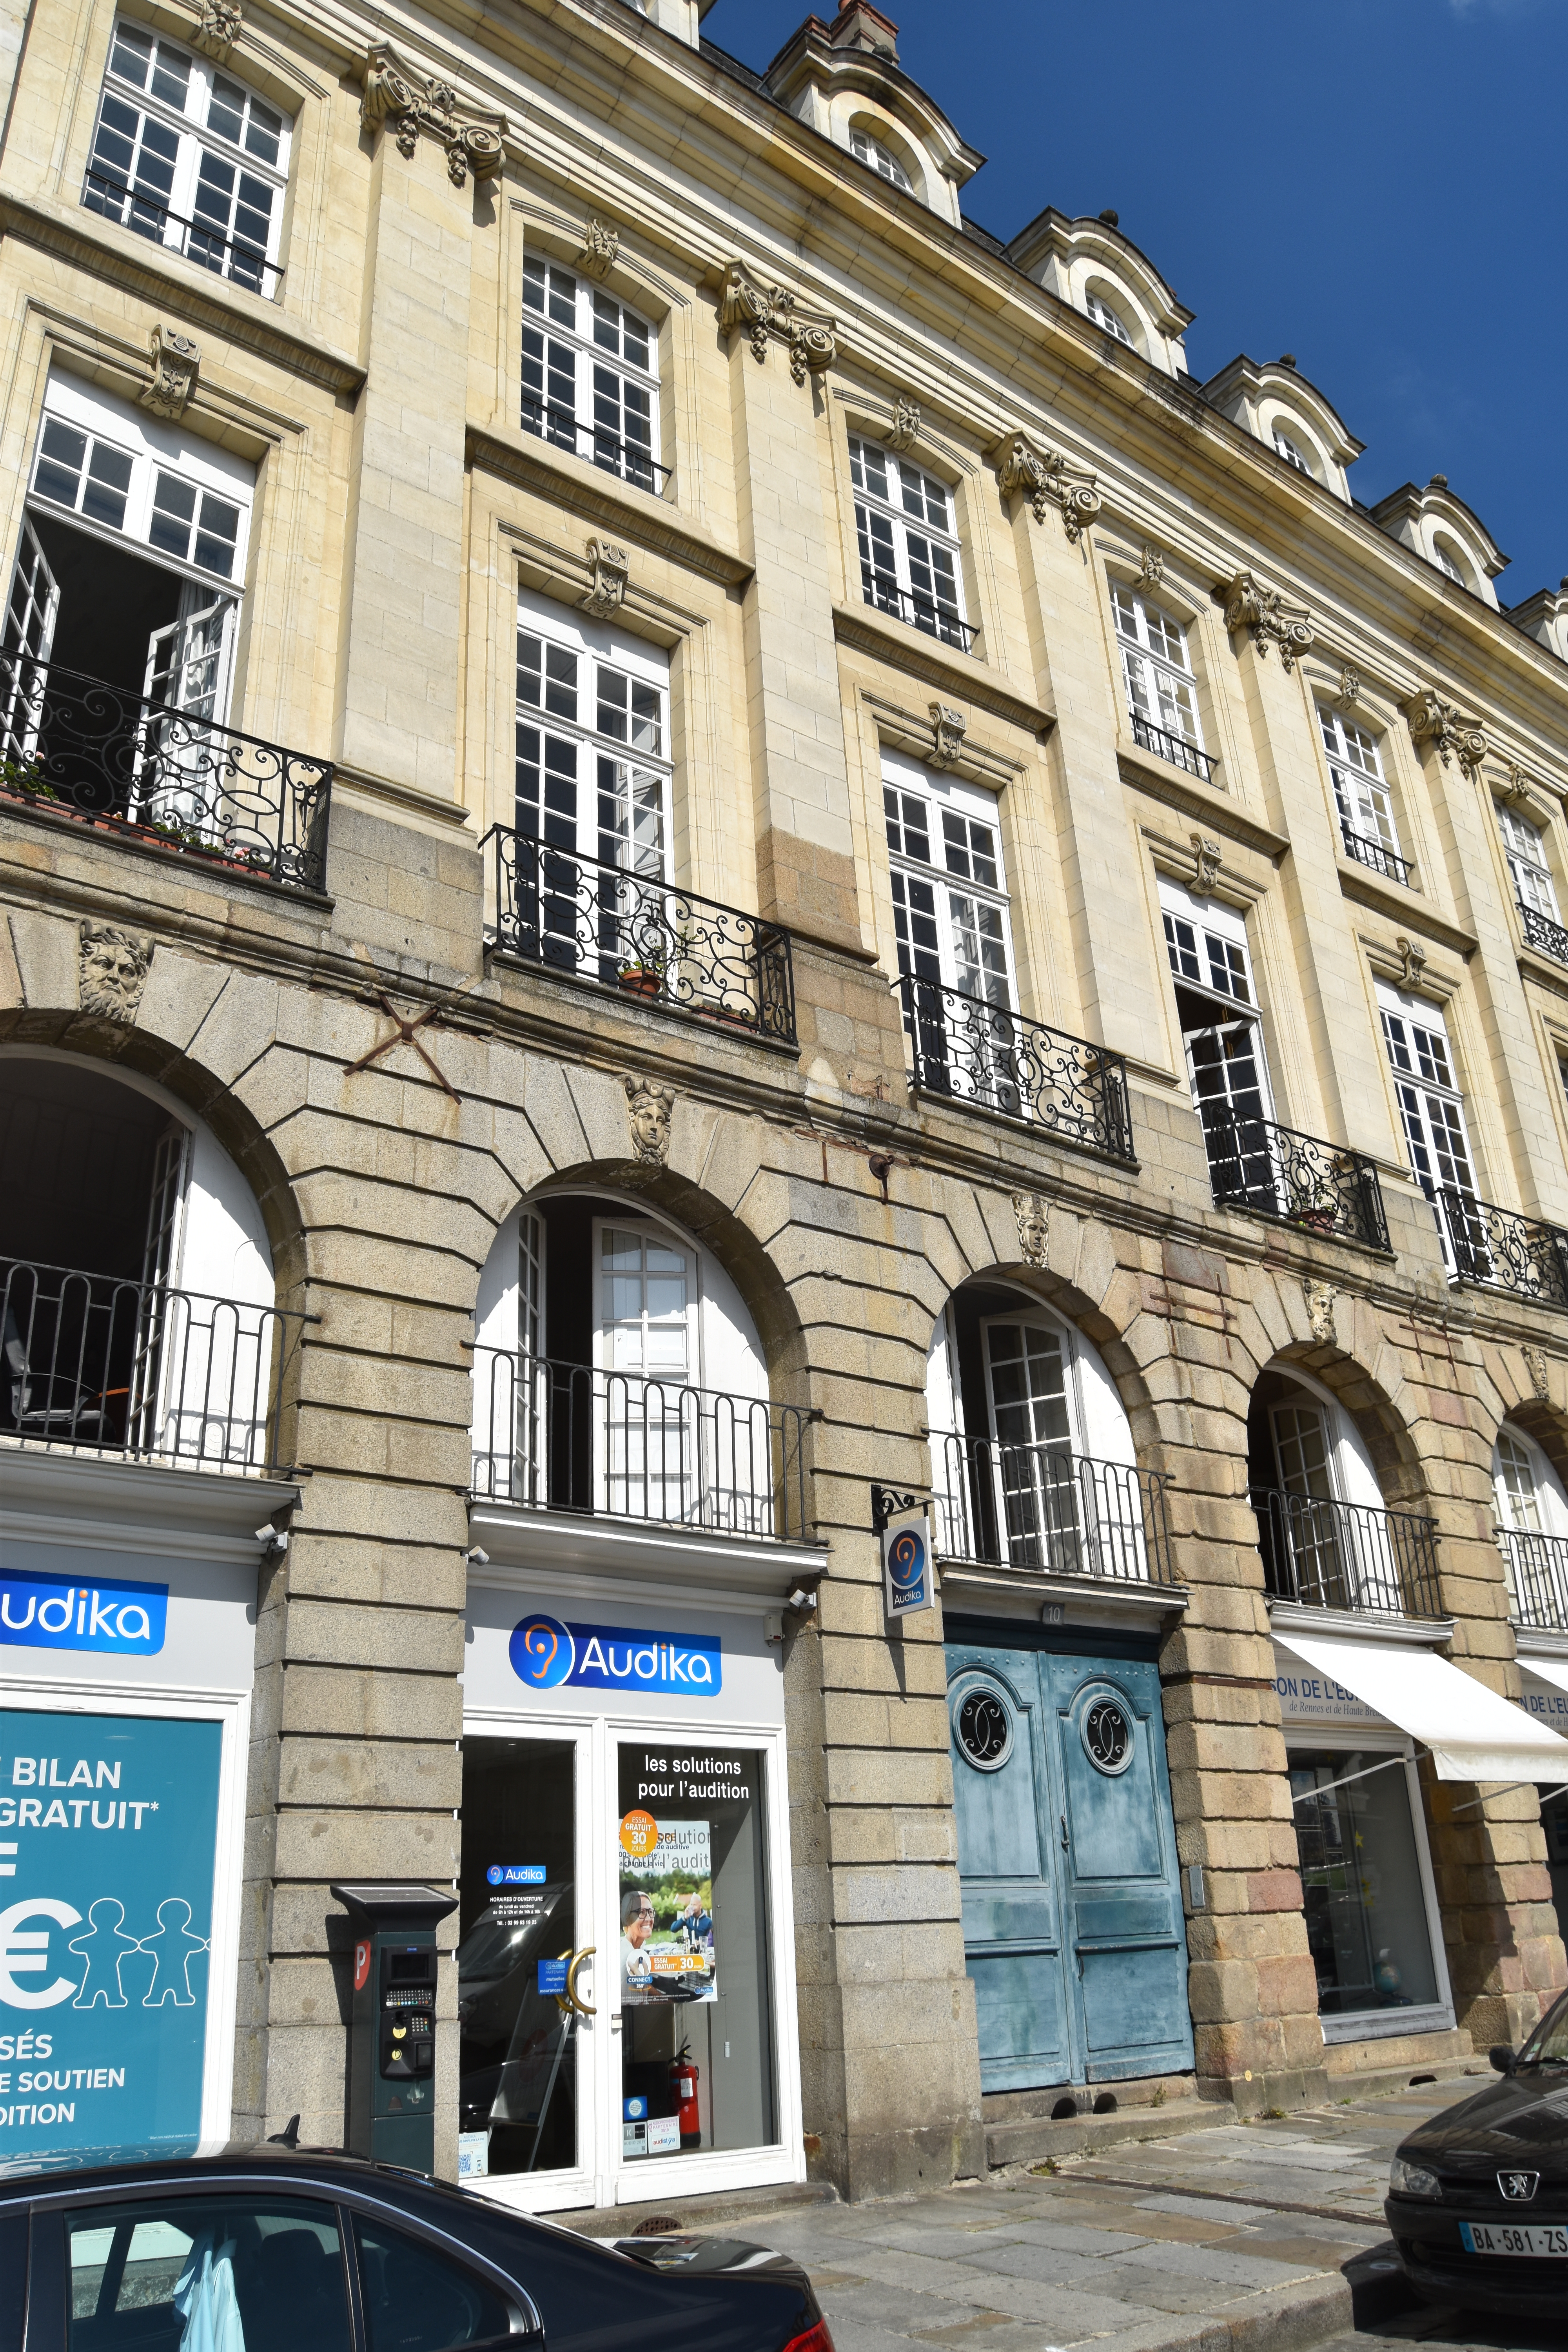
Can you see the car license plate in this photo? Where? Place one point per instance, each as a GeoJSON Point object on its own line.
{"type": "Point", "coordinates": [1515, 2238]}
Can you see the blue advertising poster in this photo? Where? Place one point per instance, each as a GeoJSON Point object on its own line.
{"type": "Point", "coordinates": [108, 1833]}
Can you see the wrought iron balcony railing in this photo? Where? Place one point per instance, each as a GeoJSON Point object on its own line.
{"type": "Point", "coordinates": [584, 919]}
{"type": "Point", "coordinates": [204, 241]}
{"type": "Point", "coordinates": [1501, 1249]}
{"type": "Point", "coordinates": [1047, 1511]}
{"type": "Point", "coordinates": [1297, 1180]}
{"type": "Point", "coordinates": [604, 448]}
{"type": "Point", "coordinates": [115, 760]}
{"type": "Point", "coordinates": [1175, 747]}
{"type": "Point", "coordinates": [944, 621]}
{"type": "Point", "coordinates": [1332, 1555]}
{"type": "Point", "coordinates": [141, 1372]}
{"type": "Point", "coordinates": [1368, 852]}
{"type": "Point", "coordinates": [1540, 932]}
{"type": "Point", "coordinates": [979, 1053]}
{"type": "Point", "coordinates": [1537, 1568]}
{"type": "Point", "coordinates": [622, 1445]}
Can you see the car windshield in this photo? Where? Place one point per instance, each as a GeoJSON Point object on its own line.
{"type": "Point", "coordinates": [1548, 2045]}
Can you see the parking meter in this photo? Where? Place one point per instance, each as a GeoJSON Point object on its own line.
{"type": "Point", "coordinates": [392, 2031]}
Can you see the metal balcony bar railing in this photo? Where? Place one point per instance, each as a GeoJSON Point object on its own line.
{"type": "Point", "coordinates": [1332, 1555]}
{"type": "Point", "coordinates": [204, 241]}
{"type": "Point", "coordinates": [1540, 932]}
{"type": "Point", "coordinates": [1537, 1568]}
{"type": "Point", "coordinates": [624, 1446]}
{"type": "Point", "coordinates": [944, 621]}
{"type": "Point", "coordinates": [979, 1053]}
{"type": "Point", "coordinates": [607, 450]}
{"type": "Point", "coordinates": [586, 919]}
{"type": "Point", "coordinates": [1501, 1249]}
{"type": "Point", "coordinates": [1277, 1171]}
{"type": "Point", "coordinates": [141, 1372]}
{"type": "Point", "coordinates": [1368, 852]}
{"type": "Point", "coordinates": [1047, 1511]}
{"type": "Point", "coordinates": [82, 748]}
{"type": "Point", "coordinates": [1175, 747]}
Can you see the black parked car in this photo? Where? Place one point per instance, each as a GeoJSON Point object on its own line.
{"type": "Point", "coordinates": [271, 2250]}
{"type": "Point", "coordinates": [1478, 2199]}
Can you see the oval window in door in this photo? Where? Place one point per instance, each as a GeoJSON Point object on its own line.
{"type": "Point", "coordinates": [1107, 1734]}
{"type": "Point", "coordinates": [984, 1727]}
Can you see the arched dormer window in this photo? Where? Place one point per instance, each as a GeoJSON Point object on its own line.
{"type": "Point", "coordinates": [1103, 315]}
{"type": "Point", "coordinates": [880, 157]}
{"type": "Point", "coordinates": [1447, 559]}
{"type": "Point", "coordinates": [1290, 451]}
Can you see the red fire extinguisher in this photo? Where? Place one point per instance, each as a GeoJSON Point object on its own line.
{"type": "Point", "coordinates": [683, 2090]}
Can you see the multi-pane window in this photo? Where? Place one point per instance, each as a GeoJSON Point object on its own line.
{"type": "Point", "coordinates": [187, 156]}
{"type": "Point", "coordinates": [949, 897]}
{"type": "Point", "coordinates": [98, 462]}
{"type": "Point", "coordinates": [1101, 311]}
{"type": "Point", "coordinates": [881, 160]}
{"type": "Point", "coordinates": [1160, 692]}
{"type": "Point", "coordinates": [1216, 1004]}
{"type": "Point", "coordinates": [1526, 853]}
{"type": "Point", "coordinates": [1432, 1109]}
{"type": "Point", "coordinates": [1449, 562]}
{"type": "Point", "coordinates": [590, 373]}
{"type": "Point", "coordinates": [1365, 803]}
{"type": "Point", "coordinates": [1290, 452]}
{"type": "Point", "coordinates": [592, 771]}
{"type": "Point", "coordinates": [908, 545]}
{"type": "Point", "coordinates": [1532, 1521]}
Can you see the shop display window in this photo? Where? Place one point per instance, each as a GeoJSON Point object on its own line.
{"type": "Point", "coordinates": [1360, 1879]}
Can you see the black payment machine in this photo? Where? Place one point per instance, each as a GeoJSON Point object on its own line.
{"type": "Point", "coordinates": [391, 2034]}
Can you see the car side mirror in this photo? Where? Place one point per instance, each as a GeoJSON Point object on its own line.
{"type": "Point", "coordinates": [1502, 2058]}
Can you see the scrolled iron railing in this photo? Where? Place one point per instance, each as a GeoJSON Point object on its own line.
{"type": "Point", "coordinates": [1540, 932]}
{"type": "Point", "coordinates": [975, 1052]}
{"type": "Point", "coordinates": [81, 748]}
{"type": "Point", "coordinates": [141, 1371]}
{"type": "Point", "coordinates": [585, 918]}
{"type": "Point", "coordinates": [1047, 1511]}
{"type": "Point", "coordinates": [1500, 1250]}
{"type": "Point", "coordinates": [635, 463]}
{"type": "Point", "coordinates": [881, 589]}
{"type": "Point", "coordinates": [1371, 853]}
{"type": "Point", "coordinates": [1299, 1180]}
{"type": "Point", "coordinates": [204, 241]}
{"type": "Point", "coordinates": [1175, 747]}
{"type": "Point", "coordinates": [557, 1436]}
{"type": "Point", "coordinates": [1538, 1577]}
{"type": "Point", "coordinates": [1350, 1556]}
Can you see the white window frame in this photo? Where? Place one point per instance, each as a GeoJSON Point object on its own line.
{"type": "Point", "coordinates": [1198, 929]}
{"type": "Point", "coordinates": [956, 899]}
{"type": "Point", "coordinates": [1545, 1515]}
{"type": "Point", "coordinates": [573, 355]}
{"type": "Point", "coordinates": [1430, 1102]}
{"type": "Point", "coordinates": [1449, 562]}
{"type": "Point", "coordinates": [1157, 670]}
{"type": "Point", "coordinates": [1361, 796]}
{"type": "Point", "coordinates": [194, 137]}
{"type": "Point", "coordinates": [1525, 848]}
{"type": "Point", "coordinates": [153, 450]}
{"type": "Point", "coordinates": [865, 146]}
{"type": "Point", "coordinates": [1293, 454]}
{"type": "Point", "coordinates": [592, 647]}
{"type": "Point", "coordinates": [893, 521]}
{"type": "Point", "coordinates": [1106, 315]}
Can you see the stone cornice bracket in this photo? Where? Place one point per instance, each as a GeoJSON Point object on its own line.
{"type": "Point", "coordinates": [905, 429]}
{"type": "Point", "coordinates": [766, 310]}
{"type": "Point", "coordinates": [1434, 721]}
{"type": "Point", "coordinates": [611, 569]}
{"type": "Point", "coordinates": [398, 93]}
{"type": "Point", "coordinates": [176, 361]}
{"type": "Point", "coordinates": [218, 25]}
{"type": "Point", "coordinates": [1266, 616]}
{"type": "Point", "coordinates": [949, 728]}
{"type": "Point", "coordinates": [1044, 476]}
{"type": "Point", "coordinates": [1150, 567]}
{"type": "Point", "coordinates": [601, 245]}
{"type": "Point", "coordinates": [1207, 858]}
{"type": "Point", "coordinates": [1412, 963]}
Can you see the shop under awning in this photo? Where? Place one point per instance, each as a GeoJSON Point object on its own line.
{"type": "Point", "coordinates": [1473, 1735]}
{"type": "Point", "coordinates": [1548, 1670]}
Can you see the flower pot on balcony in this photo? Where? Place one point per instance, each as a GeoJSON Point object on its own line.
{"type": "Point", "coordinates": [1321, 1220]}
{"type": "Point", "coordinates": [640, 979]}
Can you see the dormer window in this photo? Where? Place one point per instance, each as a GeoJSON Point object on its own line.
{"type": "Point", "coordinates": [882, 161]}
{"type": "Point", "coordinates": [1449, 562]}
{"type": "Point", "coordinates": [1101, 311]}
{"type": "Point", "coordinates": [1290, 452]}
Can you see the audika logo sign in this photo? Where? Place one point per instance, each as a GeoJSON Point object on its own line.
{"type": "Point", "coordinates": [905, 1563]}
{"type": "Point", "coordinates": [52, 1613]}
{"type": "Point", "coordinates": [548, 1655]}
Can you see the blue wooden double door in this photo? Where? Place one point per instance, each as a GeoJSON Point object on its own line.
{"type": "Point", "coordinates": [1072, 1911]}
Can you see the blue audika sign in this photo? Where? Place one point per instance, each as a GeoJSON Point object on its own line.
{"type": "Point", "coordinates": [52, 1612]}
{"type": "Point", "coordinates": [905, 1563]}
{"type": "Point", "coordinates": [548, 1655]}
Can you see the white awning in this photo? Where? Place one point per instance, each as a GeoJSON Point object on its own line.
{"type": "Point", "coordinates": [1472, 1733]}
{"type": "Point", "coordinates": [1547, 1670]}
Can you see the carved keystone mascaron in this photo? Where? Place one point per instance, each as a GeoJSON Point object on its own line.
{"type": "Point", "coordinates": [949, 728]}
{"type": "Point", "coordinates": [767, 310]}
{"type": "Point", "coordinates": [650, 1108]}
{"type": "Point", "coordinates": [611, 569]}
{"type": "Point", "coordinates": [399, 93]}
{"type": "Point", "coordinates": [176, 361]}
{"type": "Point", "coordinates": [1034, 1228]}
{"type": "Point", "coordinates": [111, 971]}
{"type": "Point", "coordinates": [1043, 475]}
{"type": "Point", "coordinates": [600, 243]}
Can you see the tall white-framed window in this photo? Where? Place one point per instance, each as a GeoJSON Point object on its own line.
{"type": "Point", "coordinates": [1532, 1529]}
{"type": "Point", "coordinates": [1162, 693]}
{"type": "Point", "coordinates": [1362, 795]}
{"type": "Point", "coordinates": [1222, 1035]}
{"type": "Point", "coordinates": [883, 162]}
{"type": "Point", "coordinates": [1432, 1110]}
{"type": "Point", "coordinates": [590, 373]}
{"type": "Point", "coordinates": [183, 153]}
{"type": "Point", "coordinates": [1525, 850]}
{"type": "Point", "coordinates": [1104, 315]}
{"type": "Point", "coordinates": [910, 555]}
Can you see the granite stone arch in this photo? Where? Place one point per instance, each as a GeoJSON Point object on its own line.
{"type": "Point", "coordinates": [1373, 1410]}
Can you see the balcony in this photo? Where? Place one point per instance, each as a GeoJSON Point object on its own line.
{"type": "Point", "coordinates": [583, 918]}
{"type": "Point", "coordinates": [973, 1052]}
{"type": "Point", "coordinates": [944, 621]}
{"type": "Point", "coordinates": [1538, 1577]}
{"type": "Point", "coordinates": [1277, 1171]}
{"type": "Point", "coordinates": [138, 1371]}
{"type": "Point", "coordinates": [1348, 1555]}
{"type": "Point", "coordinates": [1370, 852]}
{"type": "Point", "coordinates": [1500, 1250]}
{"type": "Point", "coordinates": [119, 763]}
{"type": "Point", "coordinates": [548, 421]}
{"type": "Point", "coordinates": [1043, 1510]}
{"type": "Point", "coordinates": [553, 1436]}
{"type": "Point", "coordinates": [202, 241]}
{"type": "Point", "coordinates": [1174, 748]}
{"type": "Point", "coordinates": [1540, 932]}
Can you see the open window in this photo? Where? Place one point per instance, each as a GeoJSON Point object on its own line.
{"type": "Point", "coordinates": [1432, 1110]}
{"type": "Point", "coordinates": [1533, 1527]}
{"type": "Point", "coordinates": [1325, 1536]}
{"type": "Point", "coordinates": [1217, 1005]}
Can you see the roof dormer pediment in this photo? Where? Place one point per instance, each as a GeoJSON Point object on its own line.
{"type": "Point", "coordinates": [1090, 265]}
{"type": "Point", "coordinates": [1449, 534]}
{"type": "Point", "coordinates": [844, 80]}
{"type": "Point", "coordinates": [1273, 400]}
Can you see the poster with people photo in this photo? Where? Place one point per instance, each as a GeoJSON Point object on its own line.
{"type": "Point", "coordinates": [667, 1911]}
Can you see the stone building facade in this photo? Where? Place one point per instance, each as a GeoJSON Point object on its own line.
{"type": "Point", "coordinates": [877, 900]}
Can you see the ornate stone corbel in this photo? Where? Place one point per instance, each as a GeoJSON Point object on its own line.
{"type": "Point", "coordinates": [1349, 686]}
{"type": "Point", "coordinates": [1266, 616]}
{"type": "Point", "coordinates": [1152, 568]}
{"type": "Point", "coordinates": [905, 429]}
{"type": "Point", "coordinates": [1034, 1228]}
{"type": "Point", "coordinates": [600, 243]}
{"type": "Point", "coordinates": [948, 729]}
{"type": "Point", "coordinates": [1320, 1297]}
{"type": "Point", "coordinates": [1043, 475]}
{"type": "Point", "coordinates": [649, 1107]}
{"type": "Point", "coordinates": [606, 591]}
{"type": "Point", "coordinates": [1535, 1364]}
{"type": "Point", "coordinates": [1207, 863]}
{"type": "Point", "coordinates": [813, 345]}
{"type": "Point", "coordinates": [1412, 963]}
{"type": "Point", "coordinates": [176, 361]}
{"type": "Point", "coordinates": [1434, 720]}
{"type": "Point", "coordinates": [398, 93]}
{"type": "Point", "coordinates": [764, 311]}
{"type": "Point", "coordinates": [218, 27]}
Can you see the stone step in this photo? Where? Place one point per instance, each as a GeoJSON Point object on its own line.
{"type": "Point", "coordinates": [1031, 2138]}
{"type": "Point", "coordinates": [1378, 2082]}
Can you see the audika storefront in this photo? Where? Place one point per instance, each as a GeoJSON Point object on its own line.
{"type": "Point", "coordinates": [626, 1964]}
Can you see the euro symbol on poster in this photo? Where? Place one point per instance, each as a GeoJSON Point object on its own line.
{"type": "Point", "coordinates": [909, 1583]}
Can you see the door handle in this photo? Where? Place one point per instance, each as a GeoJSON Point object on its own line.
{"type": "Point", "coordinates": [1062, 1817]}
{"type": "Point", "coordinates": [583, 2007]}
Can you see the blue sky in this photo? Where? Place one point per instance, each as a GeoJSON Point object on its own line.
{"type": "Point", "coordinates": [1375, 185]}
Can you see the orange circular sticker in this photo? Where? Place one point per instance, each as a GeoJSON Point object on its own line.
{"type": "Point", "coordinates": [639, 1834]}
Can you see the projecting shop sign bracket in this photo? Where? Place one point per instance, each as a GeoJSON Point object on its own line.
{"type": "Point", "coordinates": [908, 1576]}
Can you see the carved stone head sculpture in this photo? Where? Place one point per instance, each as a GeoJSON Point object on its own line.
{"type": "Point", "coordinates": [649, 1107]}
{"type": "Point", "coordinates": [114, 967]}
{"type": "Point", "coordinates": [1034, 1228]}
